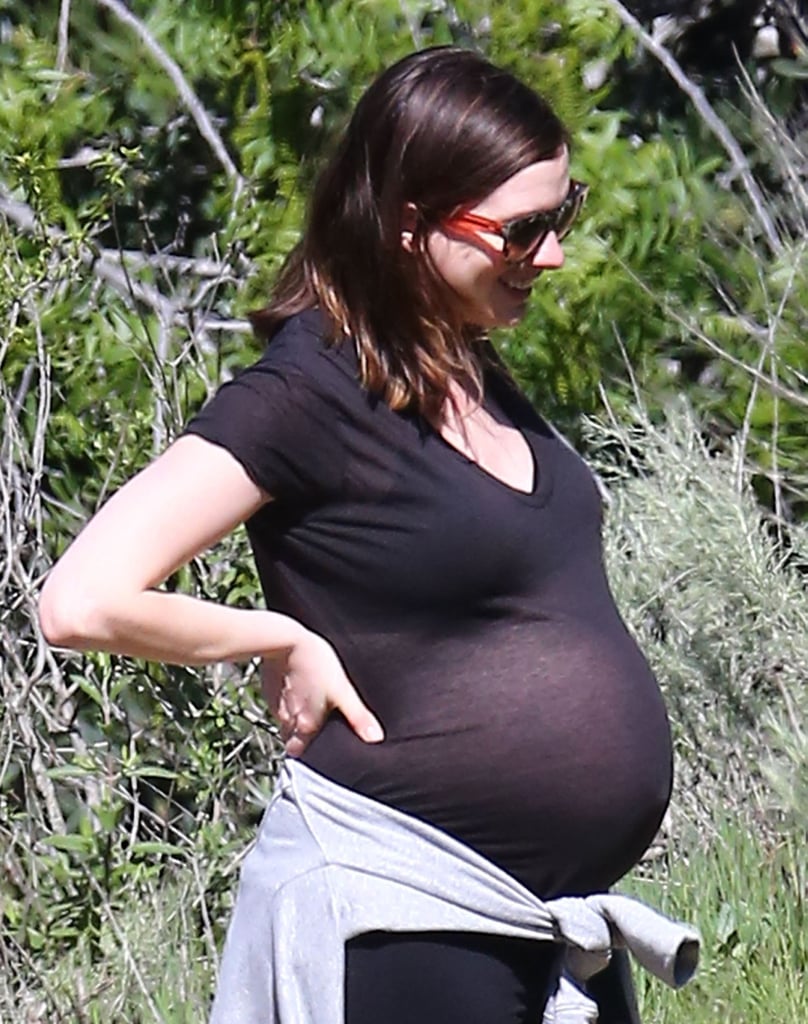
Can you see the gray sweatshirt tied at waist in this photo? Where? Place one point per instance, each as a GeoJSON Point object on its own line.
{"type": "Point", "coordinates": [330, 864]}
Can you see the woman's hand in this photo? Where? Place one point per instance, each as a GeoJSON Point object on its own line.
{"type": "Point", "coordinates": [303, 688]}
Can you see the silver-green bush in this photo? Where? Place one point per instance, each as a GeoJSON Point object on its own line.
{"type": "Point", "coordinates": [715, 593]}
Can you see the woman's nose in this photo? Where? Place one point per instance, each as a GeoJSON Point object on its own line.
{"type": "Point", "coordinates": [549, 255]}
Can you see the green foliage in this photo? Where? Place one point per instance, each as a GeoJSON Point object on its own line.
{"type": "Point", "coordinates": [554, 47]}
{"type": "Point", "coordinates": [602, 310]}
{"type": "Point", "coordinates": [30, 141]}
{"type": "Point", "coordinates": [748, 899]}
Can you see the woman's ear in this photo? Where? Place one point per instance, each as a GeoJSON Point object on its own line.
{"type": "Point", "coordinates": [409, 220]}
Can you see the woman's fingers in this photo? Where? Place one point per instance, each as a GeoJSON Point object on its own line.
{"type": "Point", "coordinates": [272, 682]}
{"type": "Point", "coordinates": [301, 709]}
{"type": "Point", "coordinates": [302, 692]}
{"type": "Point", "coordinates": [360, 718]}
{"type": "Point", "coordinates": [295, 745]}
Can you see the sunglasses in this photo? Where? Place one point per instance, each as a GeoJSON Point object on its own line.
{"type": "Point", "coordinates": [522, 236]}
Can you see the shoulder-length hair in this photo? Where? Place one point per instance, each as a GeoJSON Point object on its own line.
{"type": "Point", "coordinates": [438, 131]}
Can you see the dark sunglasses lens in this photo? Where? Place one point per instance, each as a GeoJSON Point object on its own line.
{"type": "Point", "coordinates": [569, 213]}
{"type": "Point", "coordinates": [526, 234]}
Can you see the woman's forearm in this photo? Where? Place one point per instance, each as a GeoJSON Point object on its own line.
{"type": "Point", "coordinates": [168, 627]}
{"type": "Point", "coordinates": [179, 629]}
{"type": "Point", "coordinates": [103, 593]}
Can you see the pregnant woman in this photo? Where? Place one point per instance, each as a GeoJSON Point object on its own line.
{"type": "Point", "coordinates": [423, 538]}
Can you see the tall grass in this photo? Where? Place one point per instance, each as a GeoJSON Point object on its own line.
{"type": "Point", "coordinates": [749, 898]}
{"type": "Point", "coordinates": [153, 965]}
{"type": "Point", "coordinates": [746, 895]}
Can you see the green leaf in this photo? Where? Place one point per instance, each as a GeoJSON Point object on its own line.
{"type": "Point", "coordinates": [152, 771]}
{"type": "Point", "coordinates": [69, 843]}
{"type": "Point", "coordinates": [155, 848]}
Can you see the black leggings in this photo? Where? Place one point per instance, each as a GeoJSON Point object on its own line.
{"type": "Point", "coordinates": [446, 978]}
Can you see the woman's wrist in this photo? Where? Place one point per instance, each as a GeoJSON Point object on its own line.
{"type": "Point", "coordinates": [286, 635]}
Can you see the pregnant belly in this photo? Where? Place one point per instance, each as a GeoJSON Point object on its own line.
{"type": "Point", "coordinates": [547, 750]}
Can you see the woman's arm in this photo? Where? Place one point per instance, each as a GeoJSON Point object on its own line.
{"type": "Point", "coordinates": [101, 594]}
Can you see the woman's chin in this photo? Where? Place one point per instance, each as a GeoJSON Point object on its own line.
{"type": "Point", "coordinates": [512, 316]}
{"type": "Point", "coordinates": [506, 313]}
{"type": "Point", "coordinates": [512, 304]}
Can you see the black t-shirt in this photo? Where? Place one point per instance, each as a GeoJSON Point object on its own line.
{"type": "Point", "coordinates": [473, 618]}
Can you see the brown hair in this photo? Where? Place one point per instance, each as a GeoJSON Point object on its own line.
{"type": "Point", "coordinates": [440, 129]}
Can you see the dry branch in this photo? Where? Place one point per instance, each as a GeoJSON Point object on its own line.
{"type": "Point", "coordinates": [189, 98]}
{"type": "Point", "coordinates": [710, 118]}
{"type": "Point", "coordinates": [64, 23]}
{"type": "Point", "coordinates": [105, 264]}
{"type": "Point", "coordinates": [112, 268]}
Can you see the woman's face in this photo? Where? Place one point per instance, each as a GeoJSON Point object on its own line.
{"type": "Point", "coordinates": [491, 292]}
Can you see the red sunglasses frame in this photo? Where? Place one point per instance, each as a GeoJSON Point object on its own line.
{"type": "Point", "coordinates": [560, 220]}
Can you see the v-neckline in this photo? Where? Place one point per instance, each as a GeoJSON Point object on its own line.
{"type": "Point", "coordinates": [484, 471]}
{"type": "Point", "coordinates": [541, 482]}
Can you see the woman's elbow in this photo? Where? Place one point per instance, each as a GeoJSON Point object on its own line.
{"type": "Point", "coordinates": [68, 615]}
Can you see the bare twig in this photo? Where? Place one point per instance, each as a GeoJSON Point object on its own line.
{"type": "Point", "coordinates": [64, 22]}
{"type": "Point", "coordinates": [782, 146]}
{"type": "Point", "coordinates": [199, 267]}
{"type": "Point", "coordinates": [18, 213]}
{"type": "Point", "coordinates": [746, 426]}
{"type": "Point", "coordinates": [775, 475]}
{"type": "Point", "coordinates": [212, 323]}
{"type": "Point", "coordinates": [115, 275]}
{"type": "Point", "coordinates": [106, 264]}
{"type": "Point", "coordinates": [412, 24]}
{"type": "Point", "coordinates": [34, 745]}
{"type": "Point", "coordinates": [635, 387]}
{"type": "Point", "coordinates": [189, 98]}
{"type": "Point", "coordinates": [160, 390]}
{"type": "Point", "coordinates": [774, 387]}
{"type": "Point", "coordinates": [710, 118]}
{"type": "Point", "coordinates": [112, 268]}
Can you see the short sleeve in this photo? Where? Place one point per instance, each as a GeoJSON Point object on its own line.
{"type": "Point", "coordinates": [281, 423]}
